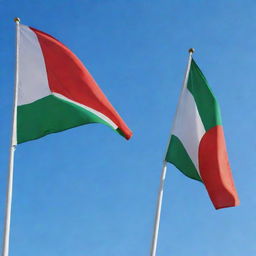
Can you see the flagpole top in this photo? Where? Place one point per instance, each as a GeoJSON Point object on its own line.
{"type": "Point", "coordinates": [191, 50]}
{"type": "Point", "coordinates": [17, 20]}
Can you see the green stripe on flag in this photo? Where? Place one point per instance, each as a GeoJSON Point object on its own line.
{"type": "Point", "coordinates": [50, 115]}
{"type": "Point", "coordinates": [207, 105]}
{"type": "Point", "coordinates": [178, 156]}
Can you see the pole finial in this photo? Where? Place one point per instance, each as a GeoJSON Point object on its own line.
{"type": "Point", "coordinates": [17, 20]}
{"type": "Point", "coordinates": [191, 50]}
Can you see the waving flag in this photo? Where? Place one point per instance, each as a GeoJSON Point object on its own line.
{"type": "Point", "coordinates": [55, 90]}
{"type": "Point", "coordinates": [197, 146]}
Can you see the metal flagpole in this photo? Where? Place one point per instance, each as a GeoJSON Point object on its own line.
{"type": "Point", "coordinates": [158, 210]}
{"type": "Point", "coordinates": [7, 222]}
{"type": "Point", "coordinates": [164, 170]}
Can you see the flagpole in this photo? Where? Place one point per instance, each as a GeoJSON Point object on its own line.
{"type": "Point", "coordinates": [7, 221]}
{"type": "Point", "coordinates": [163, 174]}
{"type": "Point", "coordinates": [158, 210]}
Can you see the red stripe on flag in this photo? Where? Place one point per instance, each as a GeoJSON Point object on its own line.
{"type": "Point", "coordinates": [68, 76]}
{"type": "Point", "coordinates": [215, 170]}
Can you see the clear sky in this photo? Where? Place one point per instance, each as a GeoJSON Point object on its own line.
{"type": "Point", "coordinates": [89, 192]}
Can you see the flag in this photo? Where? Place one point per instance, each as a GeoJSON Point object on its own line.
{"type": "Point", "coordinates": [55, 90]}
{"type": "Point", "coordinates": [197, 145]}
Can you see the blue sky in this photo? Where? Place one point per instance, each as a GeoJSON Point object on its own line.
{"type": "Point", "coordinates": [89, 192]}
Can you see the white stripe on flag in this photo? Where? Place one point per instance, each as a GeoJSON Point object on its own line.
{"type": "Point", "coordinates": [95, 112]}
{"type": "Point", "coordinates": [188, 126]}
{"type": "Point", "coordinates": [33, 82]}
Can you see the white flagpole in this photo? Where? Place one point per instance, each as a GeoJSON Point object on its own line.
{"type": "Point", "coordinates": [158, 210]}
{"type": "Point", "coordinates": [7, 222]}
{"type": "Point", "coordinates": [164, 170]}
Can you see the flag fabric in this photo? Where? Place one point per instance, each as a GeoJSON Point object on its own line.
{"type": "Point", "coordinates": [55, 90]}
{"type": "Point", "coordinates": [197, 145]}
